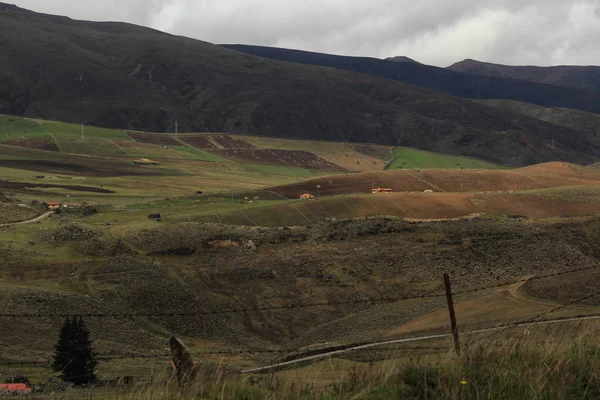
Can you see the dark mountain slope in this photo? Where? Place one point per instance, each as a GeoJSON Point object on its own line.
{"type": "Point", "coordinates": [441, 79]}
{"type": "Point", "coordinates": [561, 116]}
{"type": "Point", "coordinates": [125, 76]}
{"type": "Point", "coordinates": [580, 77]}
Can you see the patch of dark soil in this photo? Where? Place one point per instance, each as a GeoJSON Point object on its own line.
{"type": "Point", "coordinates": [294, 158]}
{"type": "Point", "coordinates": [25, 185]}
{"type": "Point", "coordinates": [231, 143]}
{"type": "Point", "coordinates": [39, 142]}
{"type": "Point", "coordinates": [200, 142]}
{"type": "Point", "coordinates": [83, 168]}
{"type": "Point", "coordinates": [383, 153]}
{"type": "Point", "coordinates": [154, 138]}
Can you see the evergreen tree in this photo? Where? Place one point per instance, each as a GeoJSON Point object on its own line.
{"type": "Point", "coordinates": [75, 357]}
{"type": "Point", "coordinates": [62, 354]}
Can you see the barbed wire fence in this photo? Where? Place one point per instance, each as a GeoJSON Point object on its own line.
{"type": "Point", "coordinates": [299, 352]}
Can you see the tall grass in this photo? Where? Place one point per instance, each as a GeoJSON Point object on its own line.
{"type": "Point", "coordinates": [549, 363]}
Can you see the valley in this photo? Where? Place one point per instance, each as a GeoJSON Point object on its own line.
{"type": "Point", "coordinates": [345, 268]}
{"type": "Point", "coordinates": [180, 219]}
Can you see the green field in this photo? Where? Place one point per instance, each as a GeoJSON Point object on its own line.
{"type": "Point", "coordinates": [411, 158]}
{"type": "Point", "coordinates": [62, 128]}
{"type": "Point", "coordinates": [15, 128]}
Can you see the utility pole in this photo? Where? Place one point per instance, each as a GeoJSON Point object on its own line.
{"type": "Point", "coordinates": [176, 126]}
{"type": "Point", "coordinates": [452, 314]}
{"type": "Point", "coordinates": [82, 139]}
{"type": "Point", "coordinates": [318, 192]}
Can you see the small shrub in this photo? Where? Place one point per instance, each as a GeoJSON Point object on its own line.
{"type": "Point", "coordinates": [88, 210]}
{"type": "Point", "coordinates": [18, 379]}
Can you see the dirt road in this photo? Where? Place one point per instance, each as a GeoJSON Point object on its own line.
{"type": "Point", "coordinates": [406, 340]}
{"type": "Point", "coordinates": [34, 220]}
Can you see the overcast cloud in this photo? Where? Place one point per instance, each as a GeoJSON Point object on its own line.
{"type": "Point", "coordinates": [438, 32]}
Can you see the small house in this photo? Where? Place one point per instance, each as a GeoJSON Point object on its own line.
{"type": "Point", "coordinates": [54, 205]}
{"type": "Point", "coordinates": [14, 389]}
{"type": "Point", "coordinates": [381, 190]}
{"type": "Point", "coordinates": [306, 196]}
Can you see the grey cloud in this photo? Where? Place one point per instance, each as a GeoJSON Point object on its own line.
{"type": "Point", "coordinates": [439, 32]}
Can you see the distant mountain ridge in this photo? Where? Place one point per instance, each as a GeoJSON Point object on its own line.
{"type": "Point", "coordinates": [441, 79]}
{"type": "Point", "coordinates": [575, 76]}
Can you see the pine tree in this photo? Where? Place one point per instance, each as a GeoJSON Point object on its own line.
{"type": "Point", "coordinates": [62, 349]}
{"type": "Point", "coordinates": [75, 357]}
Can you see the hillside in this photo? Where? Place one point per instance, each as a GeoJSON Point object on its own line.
{"type": "Point", "coordinates": [579, 77]}
{"type": "Point", "coordinates": [441, 79]}
{"type": "Point", "coordinates": [575, 119]}
{"type": "Point", "coordinates": [129, 77]}
{"type": "Point", "coordinates": [451, 180]}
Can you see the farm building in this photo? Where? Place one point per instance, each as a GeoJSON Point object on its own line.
{"type": "Point", "coordinates": [54, 205]}
{"type": "Point", "coordinates": [381, 190]}
{"type": "Point", "coordinates": [306, 196]}
{"type": "Point", "coordinates": [14, 389]}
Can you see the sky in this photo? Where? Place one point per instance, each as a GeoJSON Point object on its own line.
{"type": "Point", "coordinates": [437, 32]}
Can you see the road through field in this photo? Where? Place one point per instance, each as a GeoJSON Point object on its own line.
{"type": "Point", "coordinates": [33, 220]}
{"type": "Point", "coordinates": [406, 340]}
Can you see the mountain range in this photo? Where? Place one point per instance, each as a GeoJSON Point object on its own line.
{"type": "Point", "coordinates": [469, 85]}
{"type": "Point", "coordinates": [125, 76]}
{"type": "Point", "coordinates": [579, 77]}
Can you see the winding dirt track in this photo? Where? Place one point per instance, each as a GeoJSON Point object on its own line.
{"type": "Point", "coordinates": [33, 220]}
{"type": "Point", "coordinates": [406, 340]}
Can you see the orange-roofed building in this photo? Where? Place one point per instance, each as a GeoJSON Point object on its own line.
{"type": "Point", "coordinates": [54, 205]}
{"type": "Point", "coordinates": [13, 389]}
{"type": "Point", "coordinates": [306, 196]}
{"type": "Point", "coordinates": [382, 190]}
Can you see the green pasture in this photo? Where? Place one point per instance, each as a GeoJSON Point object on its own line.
{"type": "Point", "coordinates": [56, 129]}
{"type": "Point", "coordinates": [15, 128]}
{"type": "Point", "coordinates": [410, 158]}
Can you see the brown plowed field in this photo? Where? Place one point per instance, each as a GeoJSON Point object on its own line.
{"type": "Point", "coordinates": [442, 181]}
{"type": "Point", "coordinates": [536, 206]}
{"type": "Point", "coordinates": [200, 142]}
{"type": "Point", "coordinates": [153, 138]}
{"type": "Point", "coordinates": [230, 143]}
{"type": "Point", "coordinates": [36, 142]}
{"type": "Point", "coordinates": [411, 206]}
{"type": "Point", "coordinates": [129, 144]}
{"type": "Point", "coordinates": [293, 158]}
{"type": "Point", "coordinates": [554, 168]}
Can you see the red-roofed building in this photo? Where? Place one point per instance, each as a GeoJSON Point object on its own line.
{"type": "Point", "coordinates": [54, 205]}
{"type": "Point", "coordinates": [12, 389]}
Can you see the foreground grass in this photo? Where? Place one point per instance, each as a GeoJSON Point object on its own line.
{"type": "Point", "coordinates": [546, 364]}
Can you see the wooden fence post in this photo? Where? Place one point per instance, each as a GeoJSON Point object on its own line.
{"type": "Point", "coordinates": [452, 314]}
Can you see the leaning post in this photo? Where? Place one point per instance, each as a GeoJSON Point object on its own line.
{"type": "Point", "coordinates": [452, 314]}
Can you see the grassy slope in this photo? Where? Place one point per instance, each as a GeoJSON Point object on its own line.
{"type": "Point", "coordinates": [412, 158]}
{"type": "Point", "coordinates": [534, 203]}
{"type": "Point", "coordinates": [346, 249]}
{"type": "Point", "coordinates": [16, 128]}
